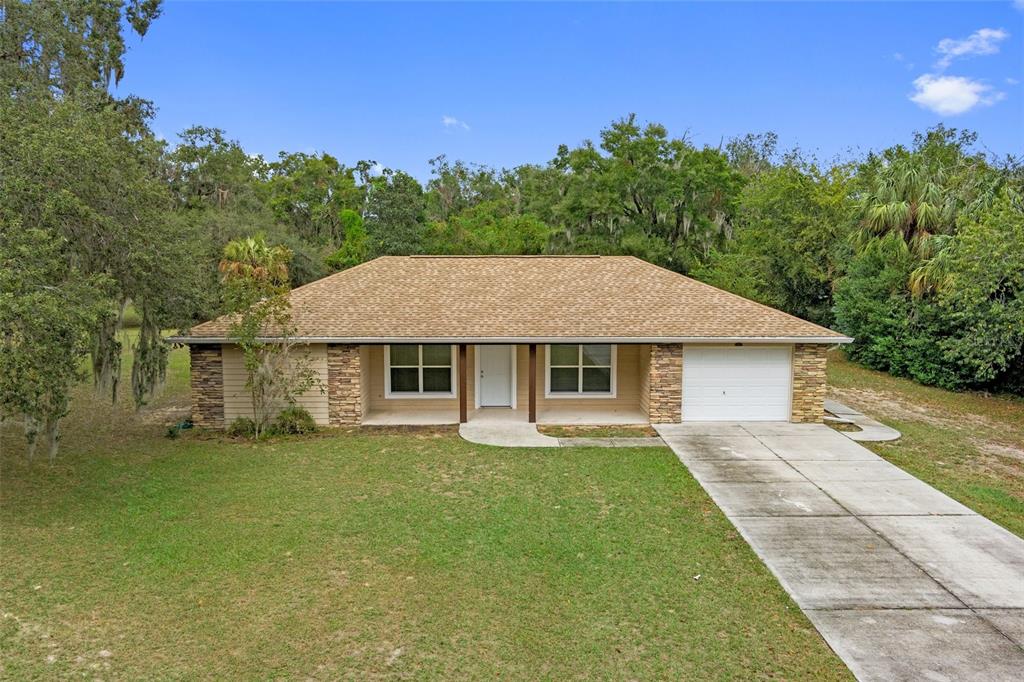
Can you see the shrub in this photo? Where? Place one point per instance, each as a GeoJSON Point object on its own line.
{"type": "Point", "coordinates": [295, 420]}
{"type": "Point", "coordinates": [242, 426]}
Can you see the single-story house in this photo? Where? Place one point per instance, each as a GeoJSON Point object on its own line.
{"type": "Point", "coordinates": [548, 339]}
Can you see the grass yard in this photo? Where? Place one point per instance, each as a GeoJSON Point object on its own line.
{"type": "Point", "coordinates": [367, 555]}
{"type": "Point", "coordinates": [968, 445]}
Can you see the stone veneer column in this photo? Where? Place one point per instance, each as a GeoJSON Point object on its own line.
{"type": "Point", "coordinates": [809, 382]}
{"type": "Point", "coordinates": [207, 370]}
{"type": "Point", "coordinates": [665, 385]}
{"type": "Point", "coordinates": [344, 384]}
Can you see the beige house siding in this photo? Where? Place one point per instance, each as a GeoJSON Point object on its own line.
{"type": "Point", "coordinates": [374, 395]}
{"type": "Point", "coordinates": [645, 379]}
{"type": "Point", "coordinates": [237, 402]}
{"type": "Point", "coordinates": [627, 381]}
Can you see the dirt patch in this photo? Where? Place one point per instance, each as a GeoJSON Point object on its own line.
{"type": "Point", "coordinates": [884, 405]}
{"type": "Point", "coordinates": [998, 449]}
{"type": "Point", "coordinates": [171, 414]}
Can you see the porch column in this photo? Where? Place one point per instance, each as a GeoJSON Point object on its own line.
{"type": "Point", "coordinates": [533, 385]}
{"type": "Point", "coordinates": [463, 412]}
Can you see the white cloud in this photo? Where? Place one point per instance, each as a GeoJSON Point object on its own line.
{"type": "Point", "coordinates": [1012, 81]}
{"type": "Point", "coordinates": [451, 122]}
{"type": "Point", "coordinates": [1019, 4]}
{"type": "Point", "coordinates": [982, 41]}
{"type": "Point", "coordinates": [952, 95]}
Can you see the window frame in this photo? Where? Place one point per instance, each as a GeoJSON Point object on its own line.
{"type": "Point", "coordinates": [579, 393]}
{"type": "Point", "coordinates": [420, 394]}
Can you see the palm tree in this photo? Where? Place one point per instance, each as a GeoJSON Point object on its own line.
{"type": "Point", "coordinates": [911, 199]}
{"type": "Point", "coordinates": [253, 259]}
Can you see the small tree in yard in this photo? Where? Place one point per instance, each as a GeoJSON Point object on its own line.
{"type": "Point", "coordinates": [255, 278]}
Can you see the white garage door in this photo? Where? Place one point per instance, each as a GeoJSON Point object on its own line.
{"type": "Point", "coordinates": [739, 383]}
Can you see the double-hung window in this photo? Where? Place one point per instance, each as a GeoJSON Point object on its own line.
{"type": "Point", "coordinates": [580, 369]}
{"type": "Point", "coordinates": [419, 370]}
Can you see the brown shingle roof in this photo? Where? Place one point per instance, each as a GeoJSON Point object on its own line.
{"type": "Point", "coordinates": [523, 298]}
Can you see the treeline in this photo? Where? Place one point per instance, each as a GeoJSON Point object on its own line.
{"type": "Point", "coordinates": [916, 251]}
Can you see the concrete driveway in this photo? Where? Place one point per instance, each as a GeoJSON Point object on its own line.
{"type": "Point", "coordinates": [903, 582]}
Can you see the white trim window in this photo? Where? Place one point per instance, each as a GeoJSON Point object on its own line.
{"type": "Point", "coordinates": [579, 370]}
{"type": "Point", "coordinates": [419, 370]}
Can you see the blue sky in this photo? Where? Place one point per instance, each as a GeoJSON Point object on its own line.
{"type": "Point", "coordinates": [505, 84]}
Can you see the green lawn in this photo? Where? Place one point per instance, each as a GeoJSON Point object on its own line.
{"type": "Point", "coordinates": [968, 445]}
{"type": "Point", "coordinates": [364, 555]}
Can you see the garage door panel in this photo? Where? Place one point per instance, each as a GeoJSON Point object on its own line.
{"type": "Point", "coordinates": [736, 384]}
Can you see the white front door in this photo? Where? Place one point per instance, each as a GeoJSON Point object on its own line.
{"type": "Point", "coordinates": [737, 383]}
{"type": "Point", "coordinates": [495, 376]}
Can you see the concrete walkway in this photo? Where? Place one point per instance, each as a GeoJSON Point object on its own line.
{"type": "Point", "coordinates": [509, 434]}
{"type": "Point", "coordinates": [903, 582]}
{"type": "Point", "coordinates": [512, 434]}
{"type": "Point", "coordinates": [870, 430]}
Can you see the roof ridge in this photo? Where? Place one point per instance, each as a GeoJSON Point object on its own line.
{"type": "Point", "coordinates": [507, 255]}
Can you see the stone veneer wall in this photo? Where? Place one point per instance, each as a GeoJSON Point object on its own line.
{"type": "Point", "coordinates": [207, 379]}
{"type": "Point", "coordinates": [809, 382]}
{"type": "Point", "coordinates": [665, 383]}
{"type": "Point", "coordinates": [344, 384]}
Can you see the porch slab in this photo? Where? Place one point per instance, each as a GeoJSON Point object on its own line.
{"type": "Point", "coordinates": [410, 418]}
{"type": "Point", "coordinates": [595, 416]}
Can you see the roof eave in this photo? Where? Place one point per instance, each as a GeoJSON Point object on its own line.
{"type": "Point", "coordinates": [197, 340]}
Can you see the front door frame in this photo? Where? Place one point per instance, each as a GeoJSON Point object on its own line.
{"type": "Point", "coordinates": [513, 352]}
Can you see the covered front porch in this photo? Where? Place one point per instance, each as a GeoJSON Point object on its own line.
{"type": "Point", "coordinates": [436, 417]}
{"type": "Point", "coordinates": [590, 384]}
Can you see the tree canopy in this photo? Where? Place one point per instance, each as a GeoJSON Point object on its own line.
{"type": "Point", "coordinates": [915, 250]}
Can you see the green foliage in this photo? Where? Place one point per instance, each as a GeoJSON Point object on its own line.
{"type": "Point", "coordinates": [47, 313]}
{"type": "Point", "coordinates": [311, 195]}
{"type": "Point", "coordinates": [641, 192]}
{"type": "Point", "coordinates": [255, 288]}
{"type": "Point", "coordinates": [459, 186]}
{"type": "Point", "coordinates": [790, 240]}
{"type": "Point", "coordinates": [294, 420]}
{"type": "Point", "coordinates": [981, 294]}
{"type": "Point", "coordinates": [68, 45]}
{"type": "Point", "coordinates": [489, 228]}
{"type": "Point", "coordinates": [395, 208]}
{"type": "Point", "coordinates": [356, 245]}
{"type": "Point", "coordinates": [242, 427]}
